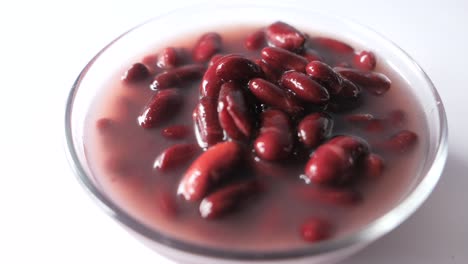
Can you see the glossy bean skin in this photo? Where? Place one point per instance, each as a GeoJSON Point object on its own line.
{"type": "Point", "coordinates": [236, 68]}
{"type": "Point", "coordinates": [282, 35]}
{"type": "Point", "coordinates": [304, 87]}
{"type": "Point", "coordinates": [177, 76]}
{"type": "Point", "coordinates": [373, 82]}
{"type": "Point", "coordinates": [164, 105]}
{"type": "Point", "coordinates": [283, 60]}
{"type": "Point", "coordinates": [136, 73]}
{"type": "Point", "coordinates": [275, 139]}
{"type": "Point", "coordinates": [314, 128]}
{"type": "Point", "coordinates": [175, 156]}
{"type": "Point", "coordinates": [206, 123]}
{"type": "Point", "coordinates": [207, 45]}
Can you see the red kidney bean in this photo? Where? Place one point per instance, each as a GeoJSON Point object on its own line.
{"type": "Point", "coordinates": [282, 35]}
{"type": "Point", "coordinates": [177, 76]}
{"type": "Point", "coordinates": [227, 123]}
{"type": "Point", "coordinates": [232, 104]}
{"type": "Point", "coordinates": [207, 45]}
{"type": "Point", "coordinates": [236, 68]}
{"type": "Point", "coordinates": [331, 45]}
{"type": "Point", "coordinates": [137, 72]}
{"type": "Point", "coordinates": [211, 83]}
{"type": "Point", "coordinates": [167, 204]}
{"type": "Point", "coordinates": [375, 126]}
{"type": "Point", "coordinates": [347, 99]}
{"type": "Point", "coordinates": [326, 76]}
{"type": "Point", "coordinates": [207, 127]}
{"type": "Point", "coordinates": [175, 156]}
{"type": "Point", "coordinates": [359, 119]}
{"type": "Point", "coordinates": [268, 168]}
{"type": "Point", "coordinates": [373, 166]}
{"type": "Point", "coordinates": [164, 105]}
{"type": "Point", "coordinates": [271, 74]}
{"type": "Point", "coordinates": [275, 139]}
{"type": "Point", "coordinates": [214, 60]}
{"type": "Point", "coordinates": [335, 161]}
{"type": "Point", "coordinates": [283, 60]}
{"type": "Point", "coordinates": [272, 95]}
{"type": "Point", "coordinates": [208, 168]}
{"type": "Point", "coordinates": [304, 87]}
{"type": "Point", "coordinates": [176, 132]}
{"type": "Point", "coordinates": [329, 195]}
{"type": "Point", "coordinates": [255, 40]}
{"type": "Point", "coordinates": [312, 55]}
{"type": "Point", "coordinates": [365, 60]}
{"type": "Point", "coordinates": [314, 128]}
{"type": "Point", "coordinates": [227, 199]}
{"type": "Point", "coordinates": [401, 142]}
{"type": "Point", "coordinates": [373, 82]}
{"type": "Point", "coordinates": [315, 229]}
{"type": "Point", "coordinates": [169, 58]}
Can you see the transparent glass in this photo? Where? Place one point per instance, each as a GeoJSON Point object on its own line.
{"type": "Point", "coordinates": [198, 19]}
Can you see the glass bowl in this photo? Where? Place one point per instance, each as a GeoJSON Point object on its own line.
{"type": "Point", "coordinates": [202, 18]}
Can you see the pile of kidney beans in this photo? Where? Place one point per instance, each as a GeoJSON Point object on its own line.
{"type": "Point", "coordinates": [277, 107]}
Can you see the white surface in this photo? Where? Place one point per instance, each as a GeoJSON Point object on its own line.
{"type": "Point", "coordinates": [46, 217]}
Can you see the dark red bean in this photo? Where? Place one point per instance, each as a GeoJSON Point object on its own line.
{"type": "Point", "coordinates": [236, 68]}
{"type": "Point", "coordinates": [271, 74]}
{"type": "Point", "coordinates": [214, 60]}
{"type": "Point", "coordinates": [304, 87]}
{"type": "Point", "coordinates": [375, 126]}
{"type": "Point", "coordinates": [207, 45]}
{"type": "Point", "coordinates": [314, 129]}
{"type": "Point", "coordinates": [275, 139]}
{"type": "Point", "coordinates": [331, 45]}
{"type": "Point", "coordinates": [335, 161]}
{"type": "Point", "coordinates": [373, 82]}
{"type": "Point", "coordinates": [211, 83]}
{"type": "Point", "coordinates": [177, 76]}
{"type": "Point", "coordinates": [347, 99]}
{"type": "Point", "coordinates": [272, 95]}
{"type": "Point", "coordinates": [167, 204]}
{"type": "Point", "coordinates": [373, 166]}
{"type": "Point", "coordinates": [228, 199]}
{"type": "Point", "coordinates": [283, 60]}
{"type": "Point", "coordinates": [207, 128]}
{"type": "Point", "coordinates": [315, 229]}
{"type": "Point", "coordinates": [400, 142]}
{"type": "Point", "coordinates": [169, 58]}
{"type": "Point", "coordinates": [164, 105]}
{"type": "Point", "coordinates": [227, 123]}
{"type": "Point", "coordinates": [365, 60]}
{"type": "Point", "coordinates": [208, 168]}
{"type": "Point", "coordinates": [136, 73]}
{"type": "Point", "coordinates": [176, 132]}
{"type": "Point", "coordinates": [255, 40]}
{"type": "Point", "coordinates": [326, 76]}
{"type": "Point", "coordinates": [282, 35]}
{"type": "Point", "coordinates": [232, 104]}
{"type": "Point", "coordinates": [175, 156]}
{"type": "Point", "coordinates": [312, 55]}
{"type": "Point", "coordinates": [329, 195]}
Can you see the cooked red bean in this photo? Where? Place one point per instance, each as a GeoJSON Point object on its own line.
{"type": "Point", "coordinates": [164, 105]}
{"type": "Point", "coordinates": [365, 60]}
{"type": "Point", "coordinates": [373, 166]}
{"type": "Point", "coordinates": [304, 87]}
{"type": "Point", "coordinates": [373, 82]}
{"type": "Point", "coordinates": [169, 58]}
{"type": "Point", "coordinates": [329, 195]}
{"type": "Point", "coordinates": [275, 139]}
{"type": "Point", "coordinates": [255, 40]}
{"type": "Point", "coordinates": [177, 76]}
{"type": "Point", "coordinates": [272, 95]}
{"type": "Point", "coordinates": [331, 45]}
{"type": "Point", "coordinates": [211, 83]}
{"type": "Point", "coordinates": [214, 60]}
{"type": "Point", "coordinates": [347, 99]}
{"type": "Point", "coordinates": [283, 60]}
{"type": "Point", "coordinates": [335, 161]}
{"type": "Point", "coordinates": [312, 55]}
{"type": "Point", "coordinates": [228, 199]}
{"type": "Point", "coordinates": [232, 102]}
{"type": "Point", "coordinates": [359, 119]}
{"type": "Point", "coordinates": [314, 128]}
{"type": "Point", "coordinates": [176, 132]}
{"type": "Point", "coordinates": [282, 35]}
{"type": "Point", "coordinates": [375, 126]}
{"type": "Point", "coordinates": [208, 45]}
{"type": "Point", "coordinates": [271, 74]}
{"type": "Point", "coordinates": [175, 156]}
{"type": "Point", "coordinates": [315, 229]}
{"type": "Point", "coordinates": [236, 68]}
{"type": "Point", "coordinates": [137, 72]}
{"type": "Point", "coordinates": [401, 142]}
{"type": "Point", "coordinates": [207, 128]}
{"type": "Point", "coordinates": [326, 76]}
{"type": "Point", "coordinates": [208, 169]}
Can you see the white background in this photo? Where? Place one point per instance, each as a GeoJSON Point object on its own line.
{"type": "Point", "coordinates": [46, 217]}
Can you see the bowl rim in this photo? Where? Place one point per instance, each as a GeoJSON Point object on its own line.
{"type": "Point", "coordinates": [367, 234]}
